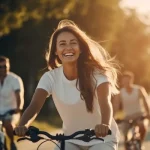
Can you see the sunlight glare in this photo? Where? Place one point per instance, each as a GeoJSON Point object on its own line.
{"type": "Point", "coordinates": [142, 6]}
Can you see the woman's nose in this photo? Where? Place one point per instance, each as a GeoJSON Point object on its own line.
{"type": "Point", "coordinates": [68, 46]}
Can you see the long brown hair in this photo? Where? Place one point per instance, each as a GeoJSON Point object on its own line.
{"type": "Point", "coordinates": [93, 57]}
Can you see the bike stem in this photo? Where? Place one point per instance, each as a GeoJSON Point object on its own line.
{"type": "Point", "coordinates": [62, 147]}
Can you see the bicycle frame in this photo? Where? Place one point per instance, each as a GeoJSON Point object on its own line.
{"type": "Point", "coordinates": [133, 138]}
{"type": "Point", "coordinates": [2, 134]}
{"type": "Point", "coordinates": [133, 141]}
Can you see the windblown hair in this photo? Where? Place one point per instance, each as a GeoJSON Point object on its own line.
{"type": "Point", "coordinates": [93, 58]}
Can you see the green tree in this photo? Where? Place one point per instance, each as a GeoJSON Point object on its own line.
{"type": "Point", "coordinates": [131, 47]}
{"type": "Point", "coordinates": [13, 13]}
{"type": "Point", "coordinates": [27, 44]}
{"type": "Point", "coordinates": [100, 19]}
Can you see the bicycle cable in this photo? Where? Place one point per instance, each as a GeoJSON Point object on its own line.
{"type": "Point", "coordinates": [47, 140]}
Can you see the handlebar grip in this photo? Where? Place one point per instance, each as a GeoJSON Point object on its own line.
{"type": "Point", "coordinates": [14, 133]}
{"type": "Point", "coordinates": [27, 133]}
{"type": "Point", "coordinates": [109, 132]}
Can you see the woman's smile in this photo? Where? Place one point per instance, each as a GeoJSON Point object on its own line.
{"type": "Point", "coordinates": [69, 54]}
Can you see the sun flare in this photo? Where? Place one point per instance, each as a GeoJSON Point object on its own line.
{"type": "Point", "coordinates": [142, 6]}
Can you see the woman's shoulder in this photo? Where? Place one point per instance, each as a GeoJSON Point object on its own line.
{"type": "Point", "coordinates": [99, 75]}
{"type": "Point", "coordinates": [54, 72]}
{"type": "Point", "coordinates": [50, 77]}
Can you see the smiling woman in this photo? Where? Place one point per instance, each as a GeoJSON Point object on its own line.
{"type": "Point", "coordinates": [81, 85]}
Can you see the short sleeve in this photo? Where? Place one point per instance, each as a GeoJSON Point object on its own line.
{"type": "Point", "coordinates": [18, 84]}
{"type": "Point", "coordinates": [100, 78]}
{"type": "Point", "coordinates": [46, 83]}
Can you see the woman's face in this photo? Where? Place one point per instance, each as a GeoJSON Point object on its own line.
{"type": "Point", "coordinates": [4, 68]}
{"type": "Point", "coordinates": [67, 47]}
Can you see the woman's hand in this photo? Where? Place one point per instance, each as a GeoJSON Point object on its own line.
{"type": "Point", "coordinates": [101, 130]}
{"type": "Point", "coordinates": [21, 130]}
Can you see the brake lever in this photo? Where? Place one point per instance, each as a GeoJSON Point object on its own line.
{"type": "Point", "coordinates": [34, 140]}
{"type": "Point", "coordinates": [90, 135]}
{"type": "Point", "coordinates": [90, 132]}
{"type": "Point", "coordinates": [25, 138]}
{"type": "Point", "coordinates": [86, 138]}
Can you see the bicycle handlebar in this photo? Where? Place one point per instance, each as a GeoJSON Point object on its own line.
{"type": "Point", "coordinates": [33, 132]}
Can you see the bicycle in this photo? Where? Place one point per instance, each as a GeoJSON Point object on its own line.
{"type": "Point", "coordinates": [133, 141]}
{"type": "Point", "coordinates": [33, 133]}
{"type": "Point", "coordinates": [2, 134]}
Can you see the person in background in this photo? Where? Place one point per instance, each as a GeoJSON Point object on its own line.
{"type": "Point", "coordinates": [133, 101]}
{"type": "Point", "coordinates": [11, 97]}
{"type": "Point", "coordinates": [81, 81]}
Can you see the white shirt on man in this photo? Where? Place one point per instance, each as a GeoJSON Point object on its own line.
{"type": "Point", "coordinates": [71, 108]}
{"type": "Point", "coordinates": [12, 83]}
{"type": "Point", "coordinates": [132, 102]}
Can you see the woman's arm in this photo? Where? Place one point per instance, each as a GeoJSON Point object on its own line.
{"type": "Point", "coordinates": [34, 108]}
{"type": "Point", "coordinates": [104, 99]}
{"type": "Point", "coordinates": [31, 112]}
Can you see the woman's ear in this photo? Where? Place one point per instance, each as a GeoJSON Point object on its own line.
{"type": "Point", "coordinates": [55, 53]}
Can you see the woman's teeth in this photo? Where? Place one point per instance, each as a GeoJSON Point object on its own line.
{"type": "Point", "coordinates": [68, 54]}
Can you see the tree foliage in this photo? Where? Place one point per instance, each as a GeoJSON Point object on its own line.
{"type": "Point", "coordinates": [100, 19]}
{"type": "Point", "coordinates": [13, 13]}
{"type": "Point", "coordinates": [131, 47]}
{"type": "Point", "coordinates": [35, 20]}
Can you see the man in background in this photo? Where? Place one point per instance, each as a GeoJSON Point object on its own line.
{"type": "Point", "coordinates": [11, 97]}
{"type": "Point", "coordinates": [133, 101]}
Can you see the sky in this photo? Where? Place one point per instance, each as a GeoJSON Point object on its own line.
{"type": "Point", "coordinates": [142, 6]}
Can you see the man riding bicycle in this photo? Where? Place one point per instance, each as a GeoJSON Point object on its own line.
{"type": "Point", "coordinates": [11, 97]}
{"type": "Point", "coordinates": [132, 100]}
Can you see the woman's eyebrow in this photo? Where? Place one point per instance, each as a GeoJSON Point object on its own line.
{"type": "Point", "coordinates": [73, 40]}
{"type": "Point", "coordinates": [65, 40]}
{"type": "Point", "coordinates": [61, 41]}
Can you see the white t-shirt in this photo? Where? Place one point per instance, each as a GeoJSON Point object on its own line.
{"type": "Point", "coordinates": [71, 108]}
{"type": "Point", "coordinates": [130, 100]}
{"type": "Point", "coordinates": [8, 101]}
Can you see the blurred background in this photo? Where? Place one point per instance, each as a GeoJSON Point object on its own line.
{"type": "Point", "coordinates": [121, 26]}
